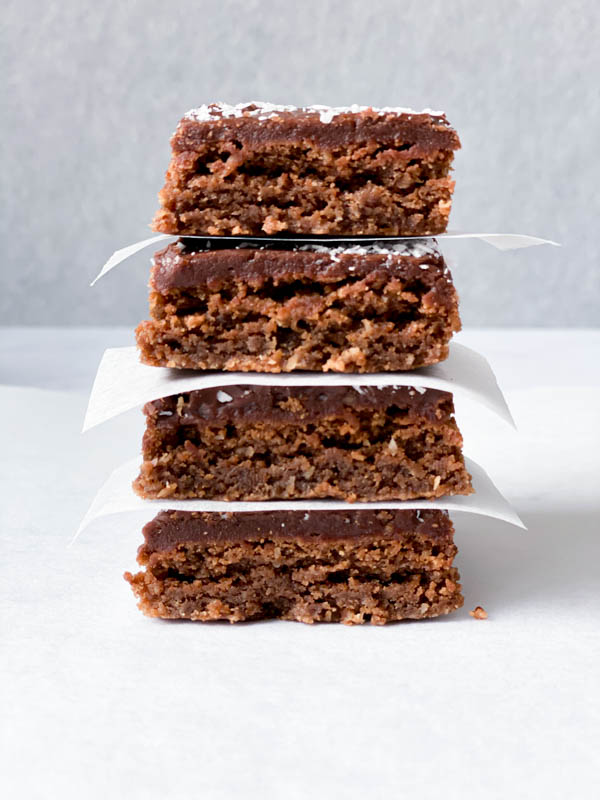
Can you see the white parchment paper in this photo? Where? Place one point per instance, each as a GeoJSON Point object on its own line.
{"type": "Point", "coordinates": [122, 382]}
{"type": "Point", "coordinates": [501, 241]}
{"type": "Point", "coordinates": [117, 497]}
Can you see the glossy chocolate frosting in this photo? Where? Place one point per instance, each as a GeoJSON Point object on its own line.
{"type": "Point", "coordinates": [170, 528]}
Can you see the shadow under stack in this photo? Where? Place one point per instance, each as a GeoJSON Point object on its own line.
{"type": "Point", "coordinates": [293, 293]}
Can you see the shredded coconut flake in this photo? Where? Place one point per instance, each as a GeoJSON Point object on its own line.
{"type": "Point", "coordinates": [417, 248]}
{"type": "Point", "coordinates": [419, 389]}
{"type": "Point", "coordinates": [223, 397]}
{"type": "Point", "coordinates": [260, 110]}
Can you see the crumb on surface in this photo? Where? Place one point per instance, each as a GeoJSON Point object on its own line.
{"type": "Point", "coordinates": [479, 613]}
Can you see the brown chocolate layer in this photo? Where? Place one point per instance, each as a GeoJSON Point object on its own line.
{"type": "Point", "coordinates": [195, 263]}
{"type": "Point", "coordinates": [295, 405]}
{"type": "Point", "coordinates": [171, 528]}
{"type": "Point", "coordinates": [424, 133]}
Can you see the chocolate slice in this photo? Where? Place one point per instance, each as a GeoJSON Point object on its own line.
{"type": "Point", "coordinates": [257, 169]}
{"type": "Point", "coordinates": [320, 566]}
{"type": "Point", "coordinates": [266, 443]}
{"type": "Point", "coordinates": [279, 308]}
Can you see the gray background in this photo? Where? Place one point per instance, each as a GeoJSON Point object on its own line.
{"type": "Point", "coordinates": [94, 90]}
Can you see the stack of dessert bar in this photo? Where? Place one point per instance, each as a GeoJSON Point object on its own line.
{"type": "Point", "coordinates": [269, 275]}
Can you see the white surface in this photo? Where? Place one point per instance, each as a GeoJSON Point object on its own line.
{"type": "Point", "coordinates": [100, 702]}
{"type": "Point", "coordinates": [115, 497]}
{"type": "Point", "coordinates": [122, 382]}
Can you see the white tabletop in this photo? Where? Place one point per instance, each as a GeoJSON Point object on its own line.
{"type": "Point", "coordinates": [100, 702]}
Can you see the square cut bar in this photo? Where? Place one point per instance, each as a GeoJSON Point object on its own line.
{"type": "Point", "coordinates": [258, 169]}
{"type": "Point", "coordinates": [319, 566]}
{"type": "Point", "coordinates": [267, 443]}
{"type": "Point", "coordinates": [279, 307]}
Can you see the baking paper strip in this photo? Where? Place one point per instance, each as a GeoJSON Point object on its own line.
{"type": "Point", "coordinates": [117, 497]}
{"type": "Point", "coordinates": [501, 241]}
{"type": "Point", "coordinates": [122, 382]}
